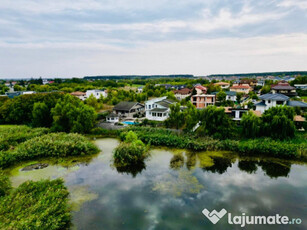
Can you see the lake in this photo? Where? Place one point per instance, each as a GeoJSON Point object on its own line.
{"type": "Point", "coordinates": [173, 187]}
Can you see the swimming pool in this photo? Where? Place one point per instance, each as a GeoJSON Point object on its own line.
{"type": "Point", "coordinates": [129, 122]}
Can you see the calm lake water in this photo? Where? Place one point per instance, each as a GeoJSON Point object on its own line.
{"type": "Point", "coordinates": [173, 187]}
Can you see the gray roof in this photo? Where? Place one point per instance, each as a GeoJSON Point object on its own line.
{"type": "Point", "coordinates": [113, 115]}
{"type": "Point", "coordinates": [231, 93]}
{"type": "Point", "coordinates": [283, 87]}
{"type": "Point", "coordinates": [158, 110]}
{"type": "Point", "coordinates": [274, 97]}
{"type": "Point", "coordinates": [165, 103]}
{"type": "Point", "coordinates": [261, 103]}
{"type": "Point", "coordinates": [125, 105]}
{"type": "Point", "coordinates": [297, 104]}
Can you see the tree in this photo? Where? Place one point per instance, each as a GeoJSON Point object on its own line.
{"type": "Point", "coordinates": [239, 97]}
{"type": "Point", "coordinates": [41, 115]}
{"type": "Point", "coordinates": [71, 115]}
{"type": "Point", "coordinates": [278, 122]}
{"type": "Point", "coordinates": [93, 102]}
{"type": "Point", "coordinates": [265, 89]}
{"type": "Point", "coordinates": [176, 118]}
{"type": "Point", "coordinates": [215, 122]}
{"type": "Point", "coordinates": [221, 97]}
{"type": "Point", "coordinates": [191, 117]}
{"type": "Point", "coordinates": [250, 125]}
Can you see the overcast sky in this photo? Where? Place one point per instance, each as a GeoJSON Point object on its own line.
{"type": "Point", "coordinates": [74, 38]}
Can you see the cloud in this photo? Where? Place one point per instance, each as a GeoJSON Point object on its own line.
{"type": "Point", "coordinates": [302, 4]}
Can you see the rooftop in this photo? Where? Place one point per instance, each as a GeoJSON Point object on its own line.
{"type": "Point", "coordinates": [275, 97]}
{"type": "Point", "coordinates": [297, 104]}
{"type": "Point", "coordinates": [125, 105]}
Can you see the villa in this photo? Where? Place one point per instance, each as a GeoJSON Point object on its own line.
{"type": "Point", "coordinates": [204, 100]}
{"type": "Point", "coordinates": [128, 109]}
{"type": "Point", "coordinates": [182, 93]}
{"type": "Point", "coordinates": [284, 88]}
{"type": "Point", "coordinates": [241, 88]}
{"type": "Point", "coordinates": [223, 85]}
{"type": "Point", "coordinates": [158, 109]}
{"type": "Point", "coordinates": [96, 93]}
{"type": "Point", "coordinates": [270, 100]}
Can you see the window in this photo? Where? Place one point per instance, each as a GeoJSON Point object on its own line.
{"type": "Point", "coordinates": [154, 114]}
{"type": "Point", "coordinates": [149, 107]}
{"type": "Point", "coordinates": [269, 101]}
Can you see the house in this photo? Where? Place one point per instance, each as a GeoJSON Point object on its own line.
{"type": "Point", "coordinates": [301, 86]}
{"type": "Point", "coordinates": [158, 109]}
{"type": "Point", "coordinates": [250, 82]}
{"type": "Point", "coordinates": [270, 100]}
{"type": "Point", "coordinates": [223, 85]}
{"type": "Point", "coordinates": [200, 89]}
{"type": "Point", "coordinates": [231, 96]}
{"type": "Point", "coordinates": [140, 89]}
{"type": "Point", "coordinates": [204, 100]}
{"type": "Point", "coordinates": [237, 113]}
{"type": "Point", "coordinates": [113, 118]}
{"type": "Point", "coordinates": [182, 93]}
{"type": "Point", "coordinates": [284, 88]}
{"type": "Point", "coordinates": [96, 93]}
{"type": "Point", "coordinates": [128, 108]}
{"type": "Point", "coordinates": [241, 88]}
{"type": "Point", "coordinates": [80, 95]}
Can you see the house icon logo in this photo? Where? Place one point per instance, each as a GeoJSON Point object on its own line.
{"type": "Point", "coordinates": [214, 216]}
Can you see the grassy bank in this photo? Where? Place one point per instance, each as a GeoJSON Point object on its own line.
{"type": "Point", "coordinates": [12, 135]}
{"type": "Point", "coordinates": [36, 205]}
{"type": "Point", "coordinates": [293, 148]}
{"type": "Point", "coordinates": [48, 145]}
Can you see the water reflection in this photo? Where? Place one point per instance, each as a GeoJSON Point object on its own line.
{"type": "Point", "coordinates": [218, 163]}
{"type": "Point", "coordinates": [132, 170]}
{"type": "Point", "coordinates": [172, 187]}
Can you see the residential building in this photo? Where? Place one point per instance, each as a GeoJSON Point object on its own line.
{"type": "Point", "coordinates": [284, 88]}
{"type": "Point", "coordinates": [270, 100]}
{"type": "Point", "coordinates": [113, 118]}
{"type": "Point", "coordinates": [200, 89]}
{"type": "Point", "coordinates": [231, 96]}
{"type": "Point", "coordinates": [96, 93]}
{"type": "Point", "coordinates": [301, 86]}
{"type": "Point", "coordinates": [140, 89]}
{"type": "Point", "coordinates": [223, 85]}
{"type": "Point", "coordinates": [237, 113]}
{"type": "Point", "coordinates": [127, 109]}
{"type": "Point", "coordinates": [250, 82]}
{"type": "Point", "coordinates": [182, 93]}
{"type": "Point", "coordinates": [204, 100]}
{"type": "Point", "coordinates": [158, 109]}
{"type": "Point", "coordinates": [80, 95]}
{"type": "Point", "coordinates": [241, 88]}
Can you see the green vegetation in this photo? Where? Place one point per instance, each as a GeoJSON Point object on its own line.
{"type": "Point", "coordinates": [5, 184]}
{"type": "Point", "coordinates": [36, 205]}
{"type": "Point", "coordinates": [11, 135]}
{"type": "Point", "coordinates": [131, 152]}
{"type": "Point", "coordinates": [293, 148]}
{"type": "Point", "coordinates": [49, 145]}
{"type": "Point", "coordinates": [71, 115]}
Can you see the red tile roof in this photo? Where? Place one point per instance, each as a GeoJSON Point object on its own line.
{"type": "Point", "coordinates": [240, 87]}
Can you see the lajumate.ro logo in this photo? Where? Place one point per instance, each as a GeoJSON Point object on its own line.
{"type": "Point", "coordinates": [244, 220]}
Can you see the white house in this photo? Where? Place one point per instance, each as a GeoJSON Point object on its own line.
{"type": "Point", "coordinates": [140, 89]}
{"type": "Point", "coordinates": [96, 93]}
{"type": "Point", "coordinates": [113, 118]}
{"type": "Point", "coordinates": [271, 100]}
{"type": "Point", "coordinates": [158, 109]}
{"type": "Point", "coordinates": [231, 96]}
{"type": "Point", "coordinates": [301, 86]}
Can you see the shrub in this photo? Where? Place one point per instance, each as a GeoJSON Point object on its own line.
{"type": "Point", "coordinates": [12, 135]}
{"type": "Point", "coordinates": [49, 145]}
{"type": "Point", "coordinates": [5, 184]}
{"type": "Point", "coordinates": [250, 125]}
{"type": "Point", "coordinates": [132, 151]}
{"type": "Point", "coordinates": [36, 205]}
